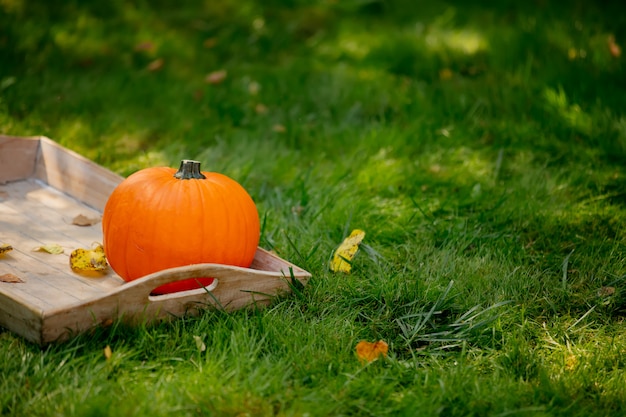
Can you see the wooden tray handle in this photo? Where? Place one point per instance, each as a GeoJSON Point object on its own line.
{"type": "Point", "coordinates": [225, 275]}
{"type": "Point", "coordinates": [236, 288]}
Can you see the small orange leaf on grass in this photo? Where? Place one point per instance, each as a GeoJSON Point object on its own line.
{"type": "Point", "coordinates": [261, 108]}
{"type": "Point", "coordinates": [278, 128]}
{"type": "Point", "coordinates": [209, 42]}
{"type": "Point", "coordinates": [614, 48]}
{"type": "Point", "coordinates": [156, 65]}
{"type": "Point", "coordinates": [216, 77]}
{"type": "Point", "coordinates": [370, 351]}
{"type": "Point", "coordinates": [346, 251]}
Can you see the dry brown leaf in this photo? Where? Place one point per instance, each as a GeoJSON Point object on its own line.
{"type": "Point", "coordinates": [606, 292]}
{"type": "Point", "coordinates": [144, 46]}
{"type": "Point", "coordinates": [210, 42]}
{"type": "Point", "coordinates": [82, 220]}
{"type": "Point", "coordinates": [155, 65]}
{"type": "Point", "coordinates": [278, 128]}
{"type": "Point", "coordinates": [216, 77]}
{"type": "Point", "coordinates": [614, 48]}
{"type": "Point", "coordinates": [88, 260]}
{"type": "Point", "coordinates": [10, 278]}
{"type": "Point", "coordinates": [52, 248]}
{"type": "Point", "coordinates": [254, 88]}
{"type": "Point", "coordinates": [370, 351]}
{"type": "Point", "coordinates": [4, 248]}
{"type": "Point", "coordinates": [261, 108]}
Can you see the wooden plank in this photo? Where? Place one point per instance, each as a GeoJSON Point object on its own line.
{"type": "Point", "coordinates": [17, 157]}
{"type": "Point", "coordinates": [236, 288]}
{"type": "Point", "coordinates": [16, 316]}
{"type": "Point", "coordinates": [75, 175]}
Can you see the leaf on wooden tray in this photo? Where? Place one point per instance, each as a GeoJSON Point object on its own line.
{"type": "Point", "coordinates": [342, 258]}
{"type": "Point", "coordinates": [4, 248]}
{"type": "Point", "coordinates": [88, 260]}
{"type": "Point", "coordinates": [52, 248]}
{"type": "Point", "coordinates": [10, 278]}
{"type": "Point", "coordinates": [370, 351]}
{"type": "Point", "coordinates": [82, 220]}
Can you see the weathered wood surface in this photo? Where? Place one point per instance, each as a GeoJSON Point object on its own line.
{"type": "Point", "coordinates": [42, 188]}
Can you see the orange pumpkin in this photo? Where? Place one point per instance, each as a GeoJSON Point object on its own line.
{"type": "Point", "coordinates": [160, 218]}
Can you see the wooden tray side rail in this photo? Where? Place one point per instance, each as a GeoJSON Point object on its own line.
{"type": "Point", "coordinates": [234, 288]}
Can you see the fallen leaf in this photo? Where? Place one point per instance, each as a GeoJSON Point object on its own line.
{"type": "Point", "coordinates": [210, 42]}
{"type": "Point", "coordinates": [614, 48]}
{"type": "Point", "coordinates": [10, 278]}
{"type": "Point", "coordinates": [216, 77]}
{"type": "Point", "coordinates": [144, 46]}
{"type": "Point", "coordinates": [261, 108]}
{"type": "Point", "coordinates": [278, 128]}
{"type": "Point", "coordinates": [53, 248]}
{"type": "Point", "coordinates": [86, 260]}
{"type": "Point", "coordinates": [155, 65]}
{"type": "Point", "coordinates": [253, 88]}
{"type": "Point", "coordinates": [107, 352]}
{"type": "Point", "coordinates": [346, 251]}
{"type": "Point", "coordinates": [445, 74]}
{"type": "Point", "coordinates": [370, 351]}
{"type": "Point", "coordinates": [82, 220]}
{"type": "Point", "coordinates": [606, 291]}
{"type": "Point", "coordinates": [4, 248]}
{"type": "Point", "coordinates": [199, 343]}
{"type": "Point", "coordinates": [570, 362]}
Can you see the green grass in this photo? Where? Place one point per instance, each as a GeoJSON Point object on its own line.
{"type": "Point", "coordinates": [480, 146]}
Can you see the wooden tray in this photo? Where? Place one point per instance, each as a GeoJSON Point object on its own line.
{"type": "Point", "coordinates": [43, 186]}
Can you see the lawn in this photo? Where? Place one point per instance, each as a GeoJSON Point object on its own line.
{"type": "Point", "coordinates": [480, 145]}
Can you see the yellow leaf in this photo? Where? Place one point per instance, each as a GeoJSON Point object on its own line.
{"type": "Point", "coordinates": [346, 251]}
{"type": "Point", "coordinates": [4, 248]}
{"type": "Point", "coordinates": [445, 74]}
{"type": "Point", "coordinates": [86, 260]}
{"type": "Point", "coordinates": [107, 352]}
{"type": "Point", "coordinates": [370, 351]}
{"type": "Point", "coordinates": [53, 248]}
{"type": "Point", "coordinates": [570, 362]}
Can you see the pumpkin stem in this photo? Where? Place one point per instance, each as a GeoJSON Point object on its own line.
{"type": "Point", "coordinates": [189, 170]}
